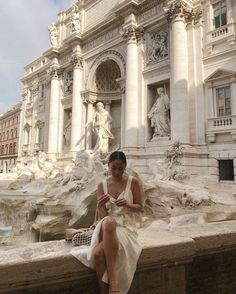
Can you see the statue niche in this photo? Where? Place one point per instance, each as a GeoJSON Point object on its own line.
{"type": "Point", "coordinates": [159, 114]}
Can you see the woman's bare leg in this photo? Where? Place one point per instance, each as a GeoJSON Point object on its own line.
{"type": "Point", "coordinates": [100, 265]}
{"type": "Point", "coordinates": [110, 246]}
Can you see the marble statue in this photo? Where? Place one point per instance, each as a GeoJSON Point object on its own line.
{"type": "Point", "coordinates": [102, 128]}
{"type": "Point", "coordinates": [75, 19]}
{"type": "Point", "coordinates": [53, 34]}
{"type": "Point", "coordinates": [67, 131]}
{"type": "Point", "coordinates": [159, 114]}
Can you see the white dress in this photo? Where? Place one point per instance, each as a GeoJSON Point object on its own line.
{"type": "Point", "coordinates": [129, 247]}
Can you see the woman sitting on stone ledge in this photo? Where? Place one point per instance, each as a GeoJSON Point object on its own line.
{"type": "Point", "coordinates": [114, 249]}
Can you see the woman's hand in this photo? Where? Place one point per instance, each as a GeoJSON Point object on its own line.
{"type": "Point", "coordinates": [102, 200]}
{"type": "Point", "coordinates": [121, 202]}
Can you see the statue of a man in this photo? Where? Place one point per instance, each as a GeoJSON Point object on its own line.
{"type": "Point", "coordinates": [159, 114]}
{"type": "Point", "coordinates": [67, 131]}
{"type": "Point", "coordinates": [102, 127]}
{"type": "Point", "coordinates": [75, 19]}
{"type": "Point", "coordinates": [53, 34]}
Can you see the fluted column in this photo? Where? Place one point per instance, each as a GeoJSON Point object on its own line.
{"type": "Point", "coordinates": [53, 131]}
{"type": "Point", "coordinates": [176, 13]}
{"type": "Point", "coordinates": [77, 103]}
{"type": "Point", "coordinates": [131, 102]}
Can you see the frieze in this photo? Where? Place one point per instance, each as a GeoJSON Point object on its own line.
{"type": "Point", "coordinates": [65, 59]}
{"type": "Point", "coordinates": [102, 39]}
{"type": "Point", "coordinates": [153, 12]}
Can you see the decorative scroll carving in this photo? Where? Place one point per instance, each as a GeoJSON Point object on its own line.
{"type": "Point", "coordinates": [77, 61]}
{"type": "Point", "coordinates": [54, 72]}
{"type": "Point", "coordinates": [178, 9]}
{"type": "Point", "coordinates": [133, 33]}
{"type": "Point", "coordinates": [88, 99]}
{"type": "Point", "coordinates": [157, 46]}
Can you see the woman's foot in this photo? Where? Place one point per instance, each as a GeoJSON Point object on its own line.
{"type": "Point", "coordinates": [114, 288]}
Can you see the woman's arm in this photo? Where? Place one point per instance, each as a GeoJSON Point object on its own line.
{"type": "Point", "coordinates": [138, 196]}
{"type": "Point", "coordinates": [101, 201]}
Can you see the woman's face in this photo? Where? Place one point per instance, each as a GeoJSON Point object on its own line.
{"type": "Point", "coordinates": [117, 168]}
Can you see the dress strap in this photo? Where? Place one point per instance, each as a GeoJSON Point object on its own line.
{"type": "Point", "coordinates": [128, 185]}
{"type": "Point", "coordinates": [104, 185]}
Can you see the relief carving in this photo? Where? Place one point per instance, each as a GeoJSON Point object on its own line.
{"type": "Point", "coordinates": [157, 46]}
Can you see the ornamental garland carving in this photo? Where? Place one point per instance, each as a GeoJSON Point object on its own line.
{"type": "Point", "coordinates": [87, 99]}
{"type": "Point", "coordinates": [77, 61]}
{"type": "Point", "coordinates": [133, 33]}
{"type": "Point", "coordinates": [157, 46]}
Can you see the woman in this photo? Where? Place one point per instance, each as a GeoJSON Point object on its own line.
{"type": "Point", "coordinates": [114, 249]}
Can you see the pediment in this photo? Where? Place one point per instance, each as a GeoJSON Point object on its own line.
{"type": "Point", "coordinates": [220, 74]}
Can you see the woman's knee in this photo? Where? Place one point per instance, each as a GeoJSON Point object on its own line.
{"type": "Point", "coordinates": [109, 225]}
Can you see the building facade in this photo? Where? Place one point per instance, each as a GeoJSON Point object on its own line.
{"type": "Point", "coordinates": [164, 70]}
{"type": "Point", "coordinates": [9, 138]}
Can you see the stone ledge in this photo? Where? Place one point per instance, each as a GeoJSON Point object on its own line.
{"type": "Point", "coordinates": [49, 267]}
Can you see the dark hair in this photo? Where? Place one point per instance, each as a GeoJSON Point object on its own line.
{"type": "Point", "coordinates": [117, 155]}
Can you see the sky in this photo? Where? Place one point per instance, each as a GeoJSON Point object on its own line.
{"type": "Point", "coordinates": [23, 38]}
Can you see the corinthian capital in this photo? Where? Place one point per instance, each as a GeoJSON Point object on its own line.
{"type": "Point", "coordinates": [77, 61]}
{"type": "Point", "coordinates": [54, 71]}
{"type": "Point", "coordinates": [178, 10]}
{"type": "Point", "coordinates": [133, 33]}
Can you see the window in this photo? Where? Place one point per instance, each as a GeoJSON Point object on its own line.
{"type": "Point", "coordinates": [220, 14]}
{"type": "Point", "coordinates": [226, 170]}
{"type": "Point", "coordinates": [223, 101]}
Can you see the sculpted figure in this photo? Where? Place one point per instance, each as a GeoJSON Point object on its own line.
{"type": "Point", "coordinates": [159, 114]}
{"type": "Point", "coordinates": [67, 131]}
{"type": "Point", "coordinates": [75, 19]}
{"type": "Point", "coordinates": [102, 127]}
{"type": "Point", "coordinates": [53, 34]}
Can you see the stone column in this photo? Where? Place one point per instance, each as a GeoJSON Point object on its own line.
{"type": "Point", "coordinates": [131, 102]}
{"type": "Point", "coordinates": [89, 122]}
{"type": "Point", "coordinates": [77, 103]}
{"type": "Point", "coordinates": [53, 125]}
{"type": "Point", "coordinates": [176, 13]}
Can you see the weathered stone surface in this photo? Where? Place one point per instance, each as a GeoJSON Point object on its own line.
{"type": "Point", "coordinates": [169, 263]}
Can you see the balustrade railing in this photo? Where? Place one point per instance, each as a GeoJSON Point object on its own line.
{"type": "Point", "coordinates": [221, 123]}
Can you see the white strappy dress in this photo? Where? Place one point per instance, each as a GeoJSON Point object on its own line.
{"type": "Point", "coordinates": [129, 247]}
